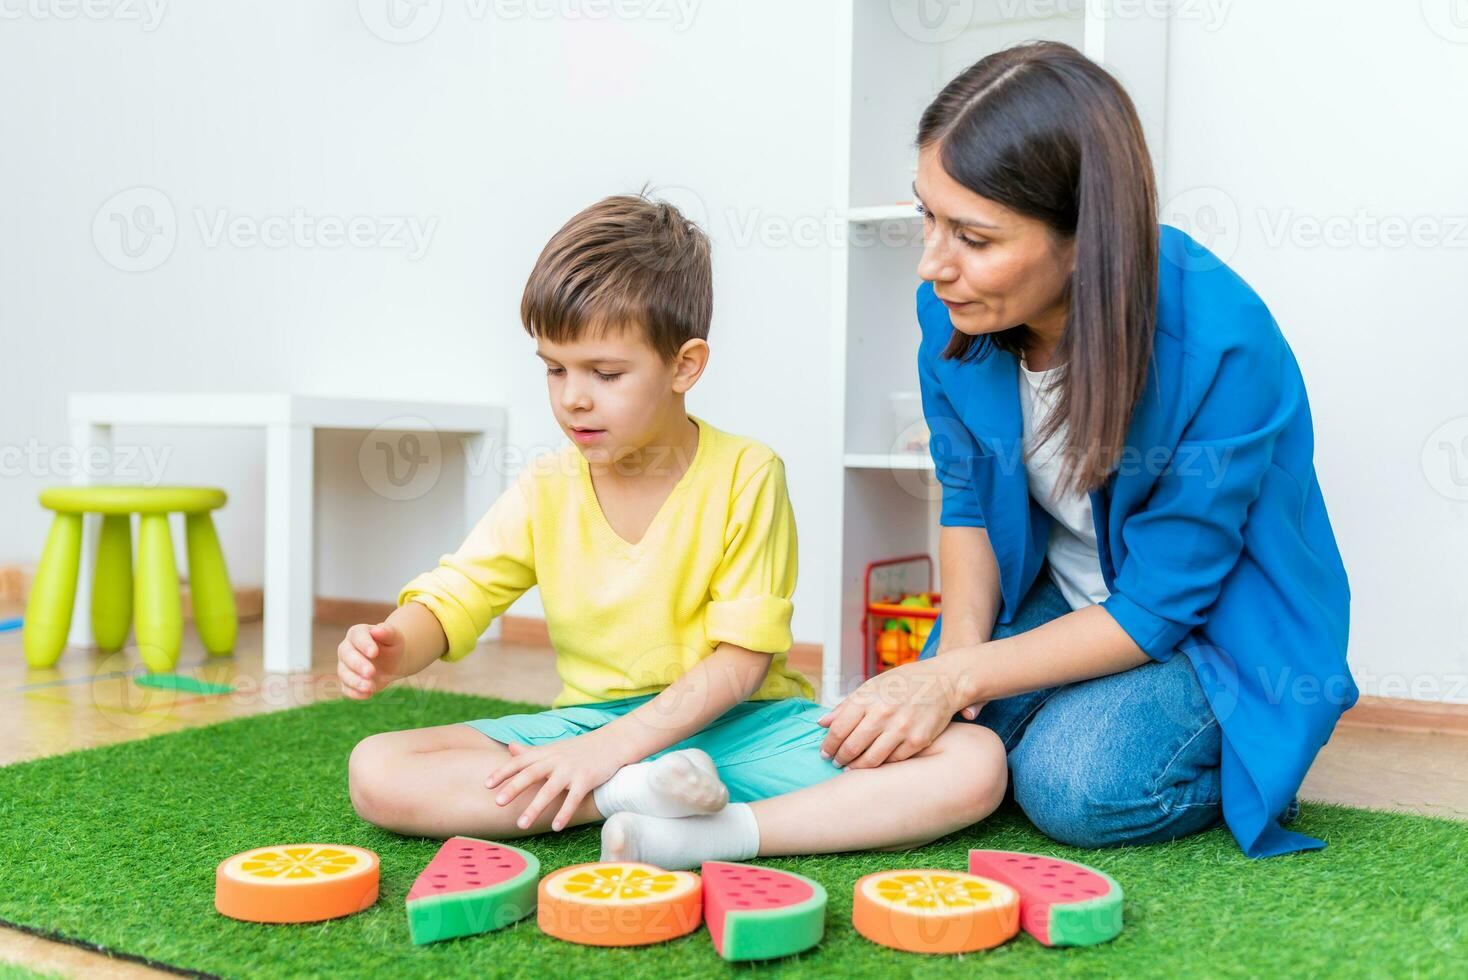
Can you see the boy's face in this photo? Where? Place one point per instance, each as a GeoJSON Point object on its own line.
{"type": "Point", "coordinates": [612, 394]}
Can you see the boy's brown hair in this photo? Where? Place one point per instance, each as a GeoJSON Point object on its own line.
{"type": "Point", "coordinates": [625, 262]}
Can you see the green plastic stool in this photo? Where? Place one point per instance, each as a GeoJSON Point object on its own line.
{"type": "Point", "coordinates": [116, 601]}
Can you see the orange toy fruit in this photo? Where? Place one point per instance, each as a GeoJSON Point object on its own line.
{"type": "Point", "coordinates": [619, 903]}
{"type": "Point", "coordinates": [296, 883]}
{"type": "Point", "coordinates": [931, 911]}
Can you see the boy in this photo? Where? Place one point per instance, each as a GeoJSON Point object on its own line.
{"type": "Point", "coordinates": [665, 550]}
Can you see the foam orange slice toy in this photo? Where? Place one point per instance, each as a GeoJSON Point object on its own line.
{"type": "Point", "coordinates": [619, 903]}
{"type": "Point", "coordinates": [932, 911]}
{"type": "Point", "coordinates": [296, 883]}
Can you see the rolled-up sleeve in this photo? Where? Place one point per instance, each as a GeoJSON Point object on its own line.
{"type": "Point", "coordinates": [1188, 537]}
{"type": "Point", "coordinates": [750, 595]}
{"type": "Point", "coordinates": [492, 568]}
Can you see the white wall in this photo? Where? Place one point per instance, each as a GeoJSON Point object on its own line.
{"type": "Point", "coordinates": [496, 128]}
{"type": "Point", "coordinates": [497, 125]}
{"type": "Point", "coordinates": [1287, 121]}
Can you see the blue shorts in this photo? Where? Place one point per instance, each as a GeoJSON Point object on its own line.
{"type": "Point", "coordinates": [762, 748]}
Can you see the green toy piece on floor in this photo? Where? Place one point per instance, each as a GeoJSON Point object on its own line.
{"type": "Point", "coordinates": [471, 886]}
{"type": "Point", "coordinates": [180, 682]}
{"type": "Point", "coordinates": [1061, 903]}
{"type": "Point", "coordinates": [756, 913]}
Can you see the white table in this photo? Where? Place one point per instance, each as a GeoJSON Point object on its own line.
{"type": "Point", "coordinates": [290, 422]}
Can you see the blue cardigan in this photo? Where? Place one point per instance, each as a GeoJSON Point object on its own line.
{"type": "Point", "coordinates": [1211, 530]}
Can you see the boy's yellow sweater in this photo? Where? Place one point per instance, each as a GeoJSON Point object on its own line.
{"type": "Point", "coordinates": [717, 565]}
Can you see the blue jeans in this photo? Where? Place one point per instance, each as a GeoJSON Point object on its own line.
{"type": "Point", "coordinates": [1131, 758]}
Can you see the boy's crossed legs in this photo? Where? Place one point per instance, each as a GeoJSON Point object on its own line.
{"type": "Point", "coordinates": [956, 781]}
{"type": "Point", "coordinates": [431, 782]}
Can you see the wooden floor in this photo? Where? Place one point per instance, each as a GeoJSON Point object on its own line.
{"type": "Point", "coordinates": [88, 700]}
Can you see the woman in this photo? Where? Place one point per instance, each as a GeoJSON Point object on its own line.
{"type": "Point", "coordinates": [1142, 595]}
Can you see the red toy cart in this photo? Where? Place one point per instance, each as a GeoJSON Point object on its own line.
{"type": "Point", "coordinates": [885, 584]}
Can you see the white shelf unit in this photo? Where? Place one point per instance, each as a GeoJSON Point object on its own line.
{"type": "Point", "coordinates": [890, 62]}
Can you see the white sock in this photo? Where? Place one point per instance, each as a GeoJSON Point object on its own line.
{"type": "Point", "coordinates": [685, 783]}
{"type": "Point", "coordinates": [732, 834]}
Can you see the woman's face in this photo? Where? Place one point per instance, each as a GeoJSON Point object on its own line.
{"type": "Point", "coordinates": [993, 268]}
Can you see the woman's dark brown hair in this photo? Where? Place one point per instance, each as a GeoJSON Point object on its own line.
{"type": "Point", "coordinates": [1044, 131]}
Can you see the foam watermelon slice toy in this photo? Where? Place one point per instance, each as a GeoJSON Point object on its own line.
{"type": "Point", "coordinates": [756, 913]}
{"type": "Point", "coordinates": [471, 886]}
{"type": "Point", "coordinates": [1061, 903]}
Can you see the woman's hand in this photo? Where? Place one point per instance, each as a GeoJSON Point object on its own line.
{"type": "Point", "coordinates": [576, 765]}
{"type": "Point", "coordinates": [970, 712]}
{"type": "Point", "coordinates": [894, 715]}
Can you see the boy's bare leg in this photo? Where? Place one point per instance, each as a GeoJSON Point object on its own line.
{"type": "Point", "coordinates": [429, 782]}
{"type": "Point", "coordinates": [956, 781]}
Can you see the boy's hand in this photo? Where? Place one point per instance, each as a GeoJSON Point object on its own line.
{"type": "Point", "coordinates": [369, 659]}
{"type": "Point", "coordinates": [575, 765]}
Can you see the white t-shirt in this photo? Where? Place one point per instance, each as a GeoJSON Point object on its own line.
{"type": "Point", "coordinates": [1074, 565]}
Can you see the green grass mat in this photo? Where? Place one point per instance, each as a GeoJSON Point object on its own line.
{"type": "Point", "coordinates": [117, 846]}
{"type": "Point", "coordinates": [14, 971]}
